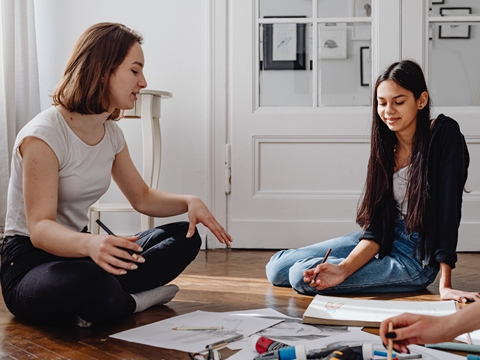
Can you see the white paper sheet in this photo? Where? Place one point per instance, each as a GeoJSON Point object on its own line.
{"type": "Point", "coordinates": [346, 309]}
{"type": "Point", "coordinates": [161, 333]}
{"type": "Point", "coordinates": [290, 331]}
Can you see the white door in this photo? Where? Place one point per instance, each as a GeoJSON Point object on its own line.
{"type": "Point", "coordinates": [299, 129]}
{"type": "Point", "coordinates": [443, 37]}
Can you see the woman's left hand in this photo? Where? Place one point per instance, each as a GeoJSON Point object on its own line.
{"type": "Point", "coordinates": [458, 295]}
{"type": "Point", "coordinates": [199, 213]}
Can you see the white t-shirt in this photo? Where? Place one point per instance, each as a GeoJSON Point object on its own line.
{"type": "Point", "coordinates": [84, 172]}
{"type": "Point", "coordinates": [400, 182]}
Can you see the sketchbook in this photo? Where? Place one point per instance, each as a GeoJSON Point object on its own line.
{"type": "Point", "coordinates": [330, 310]}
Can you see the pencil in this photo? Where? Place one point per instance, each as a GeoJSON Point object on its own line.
{"type": "Point", "coordinates": [469, 339]}
{"type": "Point", "coordinates": [324, 259]}
{"type": "Point", "coordinates": [224, 342]}
{"type": "Point", "coordinates": [390, 342]}
{"type": "Point", "coordinates": [197, 328]}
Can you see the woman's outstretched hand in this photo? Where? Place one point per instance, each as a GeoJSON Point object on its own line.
{"type": "Point", "coordinates": [199, 213]}
{"type": "Point", "coordinates": [459, 295]}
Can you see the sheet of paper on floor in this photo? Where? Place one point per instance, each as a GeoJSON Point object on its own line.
{"type": "Point", "coordinates": [290, 331]}
{"type": "Point", "coordinates": [161, 333]}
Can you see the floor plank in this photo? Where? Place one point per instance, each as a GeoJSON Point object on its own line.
{"type": "Point", "coordinates": [218, 280]}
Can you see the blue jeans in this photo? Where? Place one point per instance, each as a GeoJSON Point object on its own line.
{"type": "Point", "coordinates": [44, 288]}
{"type": "Point", "coordinates": [397, 272]}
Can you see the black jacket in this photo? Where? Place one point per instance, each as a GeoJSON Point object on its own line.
{"type": "Point", "coordinates": [447, 172]}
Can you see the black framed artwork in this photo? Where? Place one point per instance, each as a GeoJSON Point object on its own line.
{"type": "Point", "coordinates": [458, 30]}
{"type": "Point", "coordinates": [284, 46]}
{"type": "Point", "coordinates": [365, 66]}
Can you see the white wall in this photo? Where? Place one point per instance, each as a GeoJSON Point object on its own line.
{"type": "Point", "coordinates": [176, 48]}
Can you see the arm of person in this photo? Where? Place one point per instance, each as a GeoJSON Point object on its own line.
{"type": "Point", "coordinates": [330, 274]}
{"type": "Point", "coordinates": [447, 292]}
{"type": "Point", "coordinates": [424, 329]}
{"type": "Point", "coordinates": [40, 191]}
{"type": "Point", "coordinates": [157, 203]}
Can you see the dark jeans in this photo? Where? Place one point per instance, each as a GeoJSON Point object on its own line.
{"type": "Point", "coordinates": [43, 288]}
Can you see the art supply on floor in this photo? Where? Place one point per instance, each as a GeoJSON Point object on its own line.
{"type": "Point", "coordinates": [344, 353]}
{"type": "Point", "coordinates": [263, 344]}
{"type": "Point", "coordinates": [197, 328]}
{"type": "Point", "coordinates": [285, 353]}
{"type": "Point", "coordinates": [362, 351]}
{"type": "Point", "coordinates": [455, 347]}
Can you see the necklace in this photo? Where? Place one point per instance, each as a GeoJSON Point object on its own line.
{"type": "Point", "coordinates": [407, 158]}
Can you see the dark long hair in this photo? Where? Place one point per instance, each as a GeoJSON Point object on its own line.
{"type": "Point", "coordinates": [379, 183]}
{"type": "Point", "coordinates": [95, 56]}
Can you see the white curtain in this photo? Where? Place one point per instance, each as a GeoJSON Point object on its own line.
{"type": "Point", "coordinates": [19, 90]}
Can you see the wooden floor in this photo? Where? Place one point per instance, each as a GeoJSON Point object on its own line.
{"type": "Point", "coordinates": [218, 280]}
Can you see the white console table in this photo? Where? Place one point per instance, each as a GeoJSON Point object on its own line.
{"type": "Point", "coordinates": [147, 109]}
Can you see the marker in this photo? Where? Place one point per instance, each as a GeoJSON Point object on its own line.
{"type": "Point", "coordinates": [197, 328]}
{"type": "Point", "coordinates": [383, 353]}
{"type": "Point", "coordinates": [455, 346]}
{"type": "Point", "coordinates": [109, 232]}
{"type": "Point", "coordinates": [324, 259]}
{"type": "Point", "coordinates": [224, 342]}
{"type": "Point", "coordinates": [104, 227]}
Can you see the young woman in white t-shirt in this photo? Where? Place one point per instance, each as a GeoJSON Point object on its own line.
{"type": "Point", "coordinates": [53, 270]}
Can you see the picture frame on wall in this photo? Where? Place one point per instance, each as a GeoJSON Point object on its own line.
{"type": "Point", "coordinates": [332, 43]}
{"type": "Point", "coordinates": [284, 46]}
{"type": "Point", "coordinates": [455, 31]}
{"type": "Point", "coordinates": [365, 66]}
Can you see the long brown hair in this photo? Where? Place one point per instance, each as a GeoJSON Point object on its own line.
{"type": "Point", "coordinates": [95, 56]}
{"type": "Point", "coordinates": [379, 182]}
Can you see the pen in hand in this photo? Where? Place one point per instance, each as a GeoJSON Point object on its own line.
{"type": "Point", "coordinates": [109, 232]}
{"type": "Point", "coordinates": [323, 261]}
{"type": "Point", "coordinates": [104, 227]}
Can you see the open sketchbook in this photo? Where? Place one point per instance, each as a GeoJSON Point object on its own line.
{"type": "Point", "coordinates": [354, 312]}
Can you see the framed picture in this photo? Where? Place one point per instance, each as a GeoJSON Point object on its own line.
{"type": "Point", "coordinates": [332, 43]}
{"type": "Point", "coordinates": [284, 46]}
{"type": "Point", "coordinates": [455, 31]}
{"type": "Point", "coordinates": [365, 66]}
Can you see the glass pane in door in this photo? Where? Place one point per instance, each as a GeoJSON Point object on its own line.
{"type": "Point", "coordinates": [344, 67]}
{"type": "Point", "coordinates": [344, 8]}
{"type": "Point", "coordinates": [291, 8]}
{"type": "Point", "coordinates": [453, 64]}
{"type": "Point", "coordinates": [285, 67]}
